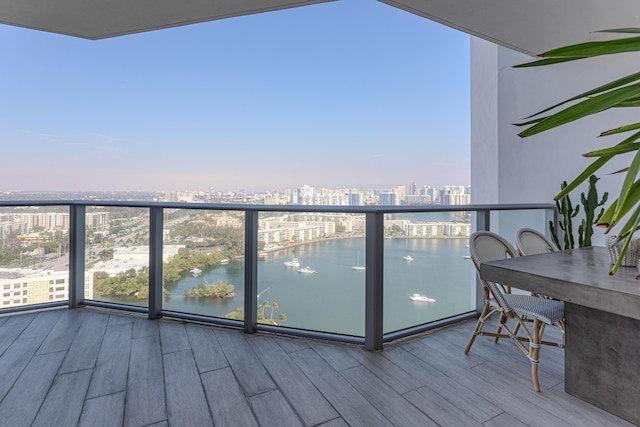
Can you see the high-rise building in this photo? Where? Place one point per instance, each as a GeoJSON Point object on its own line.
{"type": "Point", "coordinates": [454, 195]}
{"type": "Point", "coordinates": [356, 198]}
{"type": "Point", "coordinates": [414, 189]}
{"type": "Point", "coordinates": [389, 198]}
{"type": "Point", "coordinates": [401, 192]}
{"type": "Point", "coordinates": [305, 195]}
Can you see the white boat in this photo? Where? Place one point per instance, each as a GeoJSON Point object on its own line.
{"type": "Point", "coordinates": [421, 298]}
{"type": "Point", "coordinates": [358, 267]}
{"type": "Point", "coordinates": [196, 272]}
{"type": "Point", "coordinates": [306, 270]}
{"type": "Point", "coordinates": [224, 261]}
{"type": "Point", "coordinates": [295, 262]}
{"type": "Point", "coordinates": [408, 258]}
{"type": "Point", "coordinates": [466, 256]}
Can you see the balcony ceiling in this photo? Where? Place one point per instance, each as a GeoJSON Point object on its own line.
{"type": "Point", "coordinates": [99, 19]}
{"type": "Point", "coordinates": [524, 25]}
{"type": "Point", "coordinates": [528, 26]}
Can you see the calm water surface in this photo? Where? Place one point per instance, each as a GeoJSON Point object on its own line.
{"type": "Point", "coordinates": [333, 298]}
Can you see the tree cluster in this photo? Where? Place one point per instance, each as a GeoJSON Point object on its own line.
{"type": "Point", "coordinates": [219, 289]}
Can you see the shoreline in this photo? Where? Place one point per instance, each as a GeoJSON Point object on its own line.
{"type": "Point", "coordinates": [292, 245]}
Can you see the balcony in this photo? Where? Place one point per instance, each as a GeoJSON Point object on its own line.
{"type": "Point", "coordinates": [150, 360]}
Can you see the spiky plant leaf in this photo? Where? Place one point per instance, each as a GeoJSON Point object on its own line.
{"type": "Point", "coordinates": [621, 129]}
{"type": "Point", "coordinates": [585, 108]}
{"type": "Point", "coordinates": [612, 151]}
{"type": "Point", "coordinates": [623, 81]}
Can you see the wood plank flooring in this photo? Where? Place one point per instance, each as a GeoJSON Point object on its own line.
{"type": "Point", "coordinates": [94, 367]}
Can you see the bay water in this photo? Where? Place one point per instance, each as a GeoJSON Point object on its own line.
{"type": "Point", "coordinates": [333, 298]}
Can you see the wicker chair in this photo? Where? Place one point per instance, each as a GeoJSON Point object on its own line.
{"type": "Point", "coordinates": [485, 246]}
{"type": "Point", "coordinates": [532, 242]}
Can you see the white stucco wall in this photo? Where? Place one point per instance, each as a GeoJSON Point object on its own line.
{"type": "Point", "coordinates": [508, 169]}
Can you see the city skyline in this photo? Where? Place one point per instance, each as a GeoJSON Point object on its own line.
{"type": "Point", "coordinates": [291, 194]}
{"type": "Point", "coordinates": [254, 102]}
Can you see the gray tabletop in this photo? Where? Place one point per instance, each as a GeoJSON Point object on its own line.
{"type": "Point", "coordinates": [580, 276]}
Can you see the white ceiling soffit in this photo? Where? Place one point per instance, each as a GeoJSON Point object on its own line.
{"type": "Point", "coordinates": [529, 26]}
{"type": "Point", "coordinates": [98, 19]}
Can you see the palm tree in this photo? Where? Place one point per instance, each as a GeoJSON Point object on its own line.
{"type": "Point", "coordinates": [282, 318]}
{"type": "Point", "coordinates": [274, 305]}
{"type": "Point", "coordinates": [263, 306]}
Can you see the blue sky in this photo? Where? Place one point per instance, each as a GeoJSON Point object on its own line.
{"type": "Point", "coordinates": [354, 93]}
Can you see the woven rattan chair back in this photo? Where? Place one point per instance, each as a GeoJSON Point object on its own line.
{"type": "Point", "coordinates": [485, 246]}
{"type": "Point", "coordinates": [532, 242]}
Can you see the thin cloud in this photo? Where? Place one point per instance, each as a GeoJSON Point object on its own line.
{"type": "Point", "coordinates": [104, 143]}
{"type": "Point", "coordinates": [47, 136]}
{"type": "Point", "coordinates": [105, 138]}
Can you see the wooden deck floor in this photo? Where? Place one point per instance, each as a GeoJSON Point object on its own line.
{"type": "Point", "coordinates": [95, 368]}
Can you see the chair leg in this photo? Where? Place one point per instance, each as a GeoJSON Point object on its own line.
{"type": "Point", "coordinates": [478, 328]}
{"type": "Point", "coordinates": [503, 320]}
{"type": "Point", "coordinates": [534, 351]}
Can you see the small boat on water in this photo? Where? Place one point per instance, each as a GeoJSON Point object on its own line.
{"type": "Point", "coordinates": [295, 262]}
{"type": "Point", "coordinates": [421, 298]}
{"type": "Point", "coordinates": [408, 258]}
{"type": "Point", "coordinates": [358, 267]}
{"type": "Point", "coordinates": [466, 256]}
{"type": "Point", "coordinates": [224, 261]}
{"type": "Point", "coordinates": [306, 270]}
{"type": "Point", "coordinates": [195, 271]}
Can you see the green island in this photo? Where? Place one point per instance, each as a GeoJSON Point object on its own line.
{"type": "Point", "coordinates": [219, 289]}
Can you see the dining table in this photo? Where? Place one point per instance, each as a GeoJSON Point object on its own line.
{"type": "Point", "coordinates": [602, 321]}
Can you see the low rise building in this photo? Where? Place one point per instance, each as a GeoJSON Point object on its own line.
{"type": "Point", "coordinates": [20, 286]}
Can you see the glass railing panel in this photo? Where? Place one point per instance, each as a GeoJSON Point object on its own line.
{"type": "Point", "coordinates": [203, 266]}
{"type": "Point", "coordinates": [428, 275]}
{"type": "Point", "coordinates": [507, 223]}
{"type": "Point", "coordinates": [117, 255]}
{"type": "Point", "coordinates": [311, 271]}
{"type": "Point", "coordinates": [34, 255]}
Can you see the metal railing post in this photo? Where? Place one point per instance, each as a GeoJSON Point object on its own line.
{"type": "Point", "coordinates": [483, 223]}
{"type": "Point", "coordinates": [483, 220]}
{"type": "Point", "coordinates": [250, 271]}
{"type": "Point", "coordinates": [156, 225]}
{"type": "Point", "coordinates": [374, 282]}
{"type": "Point", "coordinates": [76, 254]}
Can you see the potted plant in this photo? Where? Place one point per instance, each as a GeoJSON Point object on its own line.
{"type": "Point", "coordinates": [623, 92]}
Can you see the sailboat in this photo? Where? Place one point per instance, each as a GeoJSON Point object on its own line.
{"type": "Point", "coordinates": [358, 267]}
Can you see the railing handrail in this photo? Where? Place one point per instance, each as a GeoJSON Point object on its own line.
{"type": "Point", "coordinates": [284, 208]}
